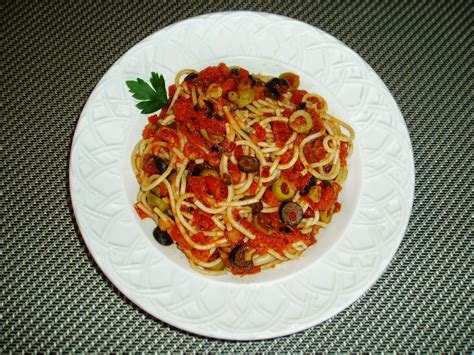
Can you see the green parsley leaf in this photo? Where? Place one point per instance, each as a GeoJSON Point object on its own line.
{"type": "Point", "coordinates": [152, 97]}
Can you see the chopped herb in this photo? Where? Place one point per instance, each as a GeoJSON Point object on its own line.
{"type": "Point", "coordinates": [153, 97]}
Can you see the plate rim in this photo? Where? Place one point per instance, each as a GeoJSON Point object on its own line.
{"type": "Point", "coordinates": [385, 262]}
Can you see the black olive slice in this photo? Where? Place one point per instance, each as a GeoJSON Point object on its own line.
{"type": "Point", "coordinates": [197, 169]}
{"type": "Point", "coordinates": [256, 207]}
{"type": "Point", "coordinates": [237, 258]}
{"type": "Point", "coordinates": [162, 237]}
{"type": "Point", "coordinates": [252, 80]}
{"type": "Point", "coordinates": [248, 164]}
{"type": "Point", "coordinates": [227, 179]}
{"type": "Point", "coordinates": [161, 165]}
{"type": "Point", "coordinates": [291, 213]}
{"type": "Point", "coordinates": [285, 229]}
{"type": "Point", "coordinates": [191, 76]}
{"type": "Point", "coordinates": [308, 186]}
{"type": "Point", "coordinates": [209, 108]}
{"type": "Point", "coordinates": [273, 85]}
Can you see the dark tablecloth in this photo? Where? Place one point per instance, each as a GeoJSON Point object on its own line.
{"type": "Point", "coordinates": [55, 298]}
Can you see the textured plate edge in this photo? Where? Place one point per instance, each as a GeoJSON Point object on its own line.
{"type": "Point", "coordinates": [234, 336]}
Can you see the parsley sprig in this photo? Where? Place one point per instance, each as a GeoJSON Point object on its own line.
{"type": "Point", "coordinates": [152, 97]}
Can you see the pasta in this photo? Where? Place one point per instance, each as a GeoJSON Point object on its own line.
{"type": "Point", "coordinates": [240, 171]}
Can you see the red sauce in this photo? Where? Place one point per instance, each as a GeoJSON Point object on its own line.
{"type": "Point", "coordinates": [343, 153]}
{"type": "Point", "coordinates": [294, 175]}
{"type": "Point", "coordinates": [318, 124]}
{"type": "Point", "coordinates": [259, 132]}
{"type": "Point", "coordinates": [178, 238]}
{"type": "Point", "coordinates": [203, 186]}
{"type": "Point", "coordinates": [270, 198]}
{"type": "Point", "coordinates": [314, 151]}
{"type": "Point", "coordinates": [277, 240]}
{"type": "Point", "coordinates": [281, 133]}
{"type": "Point", "coordinates": [327, 199]}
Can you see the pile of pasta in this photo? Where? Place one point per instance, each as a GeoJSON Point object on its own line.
{"type": "Point", "coordinates": [240, 170]}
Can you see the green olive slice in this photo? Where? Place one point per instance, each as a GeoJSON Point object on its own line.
{"type": "Point", "coordinates": [315, 193]}
{"type": "Point", "coordinates": [155, 201]}
{"type": "Point", "coordinates": [283, 190]}
{"type": "Point", "coordinates": [301, 121]}
{"type": "Point", "coordinates": [237, 258]}
{"type": "Point", "coordinates": [209, 172]}
{"type": "Point", "coordinates": [248, 164]}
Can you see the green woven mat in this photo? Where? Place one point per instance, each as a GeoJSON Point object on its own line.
{"type": "Point", "coordinates": [53, 295]}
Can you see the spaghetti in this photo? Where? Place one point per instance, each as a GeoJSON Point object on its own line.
{"type": "Point", "coordinates": [240, 171]}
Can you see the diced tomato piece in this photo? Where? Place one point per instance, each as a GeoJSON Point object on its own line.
{"type": "Point", "coordinates": [229, 85]}
{"type": "Point", "coordinates": [259, 92]}
{"type": "Point", "coordinates": [234, 172]}
{"type": "Point", "coordinates": [184, 109]}
{"type": "Point", "coordinates": [212, 126]}
{"type": "Point", "coordinates": [140, 212]}
{"type": "Point", "coordinates": [238, 152]}
{"type": "Point", "coordinates": [163, 190]}
{"type": "Point", "coordinates": [270, 198]}
{"type": "Point", "coordinates": [314, 151]}
{"type": "Point", "coordinates": [318, 124]}
{"type": "Point", "coordinates": [168, 135]}
{"type": "Point", "coordinates": [299, 138]}
{"type": "Point", "coordinates": [318, 102]}
{"type": "Point", "coordinates": [203, 185]}
{"type": "Point", "coordinates": [260, 132]}
{"type": "Point", "coordinates": [148, 131]}
{"type": "Point", "coordinates": [297, 96]}
{"type": "Point", "coordinates": [225, 71]}
{"type": "Point", "coordinates": [197, 185]}
{"type": "Point", "coordinates": [287, 112]}
{"type": "Point", "coordinates": [327, 199]}
{"type": "Point", "coordinates": [253, 138]}
{"type": "Point", "coordinates": [163, 112]}
{"type": "Point", "coordinates": [153, 119]}
{"type": "Point", "coordinates": [149, 165]}
{"type": "Point", "coordinates": [228, 146]}
{"type": "Point", "coordinates": [203, 255]}
{"type": "Point", "coordinates": [213, 159]}
{"type": "Point", "coordinates": [203, 220]}
{"type": "Point", "coordinates": [285, 158]}
{"type": "Point", "coordinates": [253, 188]}
{"type": "Point", "coordinates": [281, 132]}
{"type": "Point", "coordinates": [295, 177]}
{"type": "Point", "coordinates": [193, 152]}
{"type": "Point", "coordinates": [211, 75]}
{"type": "Point", "coordinates": [235, 213]}
{"type": "Point", "coordinates": [171, 92]}
{"type": "Point", "coordinates": [243, 74]}
{"type": "Point", "coordinates": [216, 187]}
{"type": "Point", "coordinates": [176, 235]}
{"type": "Point", "coordinates": [309, 213]}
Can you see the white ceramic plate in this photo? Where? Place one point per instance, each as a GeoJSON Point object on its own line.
{"type": "Point", "coordinates": [350, 254]}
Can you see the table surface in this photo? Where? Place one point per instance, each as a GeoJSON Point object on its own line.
{"type": "Point", "coordinates": [53, 295]}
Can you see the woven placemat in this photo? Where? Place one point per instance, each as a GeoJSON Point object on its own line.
{"type": "Point", "coordinates": [54, 297]}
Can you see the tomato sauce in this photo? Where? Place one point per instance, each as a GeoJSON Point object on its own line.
{"type": "Point", "coordinates": [343, 153]}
